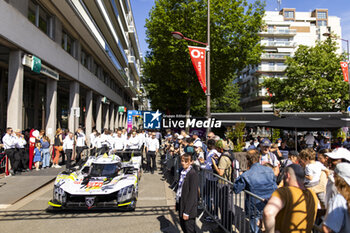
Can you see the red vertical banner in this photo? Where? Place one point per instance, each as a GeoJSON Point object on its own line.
{"type": "Point", "coordinates": [198, 60]}
{"type": "Point", "coordinates": [345, 69]}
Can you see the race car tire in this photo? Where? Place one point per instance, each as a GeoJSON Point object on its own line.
{"type": "Point", "coordinates": [132, 206]}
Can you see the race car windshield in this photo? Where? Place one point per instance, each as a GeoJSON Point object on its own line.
{"type": "Point", "coordinates": [104, 170]}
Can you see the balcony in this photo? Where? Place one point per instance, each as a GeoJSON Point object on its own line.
{"type": "Point", "coordinates": [134, 66]}
{"type": "Point", "coordinates": [272, 68]}
{"type": "Point", "coordinates": [282, 32]}
{"type": "Point", "coordinates": [274, 44]}
{"type": "Point", "coordinates": [274, 56]}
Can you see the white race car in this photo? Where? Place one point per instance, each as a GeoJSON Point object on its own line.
{"type": "Point", "coordinates": [102, 182]}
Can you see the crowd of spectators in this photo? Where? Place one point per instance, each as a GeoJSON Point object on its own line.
{"type": "Point", "coordinates": [301, 189]}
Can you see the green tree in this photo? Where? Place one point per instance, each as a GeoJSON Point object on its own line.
{"type": "Point", "coordinates": [314, 81]}
{"type": "Point", "coordinates": [236, 135]}
{"type": "Point", "coordinates": [169, 76]}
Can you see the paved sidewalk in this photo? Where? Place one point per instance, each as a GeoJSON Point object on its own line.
{"type": "Point", "coordinates": [14, 188]}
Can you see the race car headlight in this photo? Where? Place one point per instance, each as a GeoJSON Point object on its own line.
{"type": "Point", "coordinates": [125, 193]}
{"type": "Point", "coordinates": [60, 195]}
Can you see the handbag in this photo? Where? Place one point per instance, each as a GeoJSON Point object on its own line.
{"type": "Point", "coordinates": [60, 148]}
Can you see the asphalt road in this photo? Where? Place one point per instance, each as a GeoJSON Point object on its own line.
{"type": "Point", "coordinates": [154, 213]}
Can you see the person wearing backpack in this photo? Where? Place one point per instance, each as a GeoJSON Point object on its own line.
{"type": "Point", "coordinates": [226, 169]}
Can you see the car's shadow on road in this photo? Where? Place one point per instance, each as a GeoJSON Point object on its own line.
{"type": "Point", "coordinates": [51, 213]}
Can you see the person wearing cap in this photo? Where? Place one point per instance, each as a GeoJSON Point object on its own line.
{"type": "Point", "coordinates": [267, 156]}
{"type": "Point", "coordinates": [224, 169]}
{"type": "Point", "coordinates": [333, 158]}
{"type": "Point", "coordinates": [196, 139]}
{"type": "Point", "coordinates": [261, 181]}
{"type": "Point", "coordinates": [338, 212]}
{"type": "Point", "coordinates": [199, 152]}
{"type": "Point", "coordinates": [279, 142]}
{"type": "Point", "coordinates": [291, 208]}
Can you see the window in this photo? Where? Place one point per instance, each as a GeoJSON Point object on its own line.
{"type": "Point", "coordinates": [40, 18]}
{"type": "Point", "coordinates": [67, 43]}
{"type": "Point", "coordinates": [84, 58]}
{"type": "Point", "coordinates": [322, 15]}
{"type": "Point", "coordinates": [289, 14]}
{"type": "Point", "coordinates": [322, 22]}
{"type": "Point", "coordinates": [93, 66]}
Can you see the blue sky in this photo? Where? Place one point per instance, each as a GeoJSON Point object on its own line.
{"type": "Point", "coordinates": [340, 8]}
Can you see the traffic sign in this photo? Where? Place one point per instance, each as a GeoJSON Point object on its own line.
{"type": "Point", "coordinates": [349, 109]}
{"type": "Point", "coordinates": [75, 111]}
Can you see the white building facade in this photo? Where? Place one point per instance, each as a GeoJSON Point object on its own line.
{"type": "Point", "coordinates": [284, 31]}
{"type": "Point", "coordinates": [87, 58]}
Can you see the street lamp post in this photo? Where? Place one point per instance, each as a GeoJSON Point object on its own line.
{"type": "Point", "coordinates": [180, 36]}
{"type": "Point", "coordinates": [347, 50]}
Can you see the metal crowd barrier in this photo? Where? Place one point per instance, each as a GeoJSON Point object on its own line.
{"type": "Point", "coordinates": [4, 163]}
{"type": "Point", "coordinates": [240, 212]}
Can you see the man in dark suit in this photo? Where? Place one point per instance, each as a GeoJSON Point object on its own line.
{"type": "Point", "coordinates": [187, 195]}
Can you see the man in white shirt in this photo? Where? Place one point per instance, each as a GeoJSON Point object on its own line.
{"type": "Point", "coordinates": [92, 142]}
{"type": "Point", "coordinates": [142, 137]}
{"type": "Point", "coordinates": [134, 142]}
{"type": "Point", "coordinates": [197, 140]}
{"type": "Point", "coordinates": [309, 140]}
{"type": "Point", "coordinates": [68, 148]}
{"type": "Point", "coordinates": [9, 141]}
{"type": "Point", "coordinates": [21, 151]}
{"type": "Point", "coordinates": [151, 150]}
{"type": "Point", "coordinates": [106, 140]}
{"type": "Point", "coordinates": [80, 143]}
{"type": "Point", "coordinates": [118, 141]}
{"type": "Point", "coordinates": [124, 134]}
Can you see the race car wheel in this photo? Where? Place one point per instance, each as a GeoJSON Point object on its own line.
{"type": "Point", "coordinates": [132, 206]}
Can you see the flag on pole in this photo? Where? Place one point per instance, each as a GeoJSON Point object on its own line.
{"type": "Point", "coordinates": [345, 69]}
{"type": "Point", "coordinates": [198, 60]}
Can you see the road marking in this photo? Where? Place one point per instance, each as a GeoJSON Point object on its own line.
{"type": "Point", "coordinates": [151, 198]}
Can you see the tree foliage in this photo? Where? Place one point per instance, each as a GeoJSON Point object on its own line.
{"type": "Point", "coordinates": [236, 135]}
{"type": "Point", "coordinates": [314, 81]}
{"type": "Point", "coordinates": [169, 76]}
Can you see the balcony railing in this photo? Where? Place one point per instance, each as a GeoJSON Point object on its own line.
{"type": "Point", "coordinates": [272, 68]}
{"type": "Point", "coordinates": [279, 31]}
{"type": "Point", "coordinates": [274, 56]}
{"type": "Point", "coordinates": [278, 44]}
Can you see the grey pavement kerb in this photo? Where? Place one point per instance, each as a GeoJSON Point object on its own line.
{"type": "Point", "coordinates": [15, 188]}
